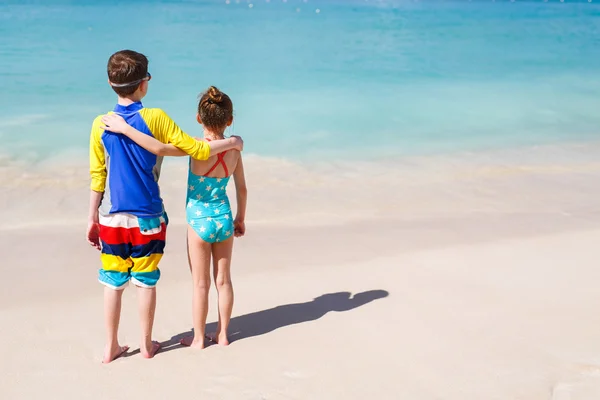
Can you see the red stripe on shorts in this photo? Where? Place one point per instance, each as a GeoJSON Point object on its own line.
{"type": "Point", "coordinates": [111, 235]}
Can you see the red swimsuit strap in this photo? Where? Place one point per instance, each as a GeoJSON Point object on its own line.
{"type": "Point", "coordinates": [220, 160]}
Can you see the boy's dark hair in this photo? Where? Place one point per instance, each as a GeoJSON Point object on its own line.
{"type": "Point", "coordinates": [127, 66]}
{"type": "Point", "coordinates": [215, 109]}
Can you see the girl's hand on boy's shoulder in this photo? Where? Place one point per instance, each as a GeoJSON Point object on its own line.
{"type": "Point", "coordinates": [114, 123]}
{"type": "Point", "coordinates": [239, 228]}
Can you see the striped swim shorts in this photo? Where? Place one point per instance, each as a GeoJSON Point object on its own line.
{"type": "Point", "coordinates": [131, 250]}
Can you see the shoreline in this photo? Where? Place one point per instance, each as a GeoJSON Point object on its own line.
{"type": "Point", "coordinates": [76, 158]}
{"type": "Point", "coordinates": [321, 194]}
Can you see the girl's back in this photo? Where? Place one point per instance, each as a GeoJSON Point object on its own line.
{"type": "Point", "coordinates": [213, 167]}
{"type": "Point", "coordinates": [208, 210]}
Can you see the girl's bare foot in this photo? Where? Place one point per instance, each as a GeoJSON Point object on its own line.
{"type": "Point", "coordinates": [111, 354]}
{"type": "Point", "coordinates": [150, 351]}
{"type": "Point", "coordinates": [192, 341]}
{"type": "Point", "coordinates": [219, 338]}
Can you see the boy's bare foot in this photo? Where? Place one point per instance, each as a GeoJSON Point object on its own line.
{"type": "Point", "coordinates": [150, 351]}
{"type": "Point", "coordinates": [111, 354]}
{"type": "Point", "coordinates": [220, 338]}
{"type": "Point", "coordinates": [191, 341]}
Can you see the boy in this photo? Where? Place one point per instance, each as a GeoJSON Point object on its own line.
{"type": "Point", "coordinates": [126, 220]}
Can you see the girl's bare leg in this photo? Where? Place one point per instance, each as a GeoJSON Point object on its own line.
{"type": "Point", "coordinates": [222, 273]}
{"type": "Point", "coordinates": [199, 256]}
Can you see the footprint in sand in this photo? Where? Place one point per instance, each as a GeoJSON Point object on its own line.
{"type": "Point", "coordinates": [294, 375]}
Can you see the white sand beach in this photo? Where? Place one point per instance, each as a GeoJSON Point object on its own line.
{"type": "Point", "coordinates": [467, 276]}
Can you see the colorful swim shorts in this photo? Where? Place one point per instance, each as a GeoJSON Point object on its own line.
{"type": "Point", "coordinates": [131, 250]}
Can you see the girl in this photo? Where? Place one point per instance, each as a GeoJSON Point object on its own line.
{"type": "Point", "coordinates": [211, 226]}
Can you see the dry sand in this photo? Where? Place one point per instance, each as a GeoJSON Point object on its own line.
{"type": "Point", "coordinates": [470, 276]}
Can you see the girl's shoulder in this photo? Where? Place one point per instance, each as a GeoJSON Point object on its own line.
{"type": "Point", "coordinates": [231, 158]}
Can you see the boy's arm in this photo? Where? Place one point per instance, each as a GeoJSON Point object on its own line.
{"type": "Point", "coordinates": [241, 192]}
{"type": "Point", "coordinates": [97, 158]}
{"type": "Point", "coordinates": [167, 131]}
{"type": "Point", "coordinates": [98, 175]}
{"type": "Point", "coordinates": [93, 229]}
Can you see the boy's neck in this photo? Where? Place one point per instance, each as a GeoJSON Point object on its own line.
{"type": "Point", "coordinates": [126, 101]}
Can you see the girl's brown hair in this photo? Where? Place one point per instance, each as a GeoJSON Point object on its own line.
{"type": "Point", "coordinates": [215, 109]}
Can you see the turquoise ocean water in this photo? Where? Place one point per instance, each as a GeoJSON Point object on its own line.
{"type": "Point", "coordinates": [310, 79]}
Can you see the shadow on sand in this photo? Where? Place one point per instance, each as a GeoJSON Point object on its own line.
{"type": "Point", "coordinates": [265, 321]}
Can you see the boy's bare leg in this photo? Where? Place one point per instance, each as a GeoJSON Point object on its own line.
{"type": "Point", "coordinates": [199, 257]}
{"type": "Point", "coordinates": [112, 315]}
{"type": "Point", "coordinates": [147, 307]}
{"type": "Point", "coordinates": [222, 273]}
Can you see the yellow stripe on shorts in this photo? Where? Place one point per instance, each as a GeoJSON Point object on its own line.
{"type": "Point", "coordinates": [146, 264]}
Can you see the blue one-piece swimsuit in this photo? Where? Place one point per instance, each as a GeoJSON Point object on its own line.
{"type": "Point", "coordinates": [208, 211]}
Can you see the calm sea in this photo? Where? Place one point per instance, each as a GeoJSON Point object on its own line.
{"type": "Point", "coordinates": [310, 79]}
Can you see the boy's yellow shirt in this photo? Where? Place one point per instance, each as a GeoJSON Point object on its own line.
{"type": "Point", "coordinates": [162, 128]}
{"type": "Point", "coordinates": [127, 173]}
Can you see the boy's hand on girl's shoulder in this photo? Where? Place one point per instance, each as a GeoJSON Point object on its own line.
{"type": "Point", "coordinates": [239, 228]}
{"type": "Point", "coordinates": [238, 142]}
{"type": "Point", "coordinates": [114, 123]}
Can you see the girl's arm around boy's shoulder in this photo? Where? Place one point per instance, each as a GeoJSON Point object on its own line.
{"type": "Point", "coordinates": [169, 139]}
{"type": "Point", "coordinates": [168, 131]}
{"type": "Point", "coordinates": [116, 124]}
